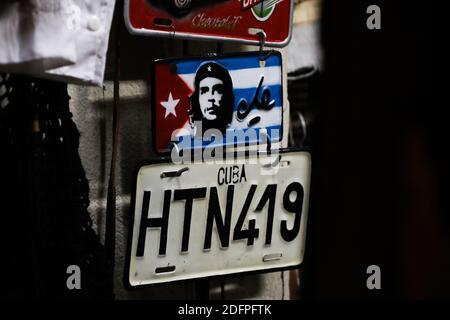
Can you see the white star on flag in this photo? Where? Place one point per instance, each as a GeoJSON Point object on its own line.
{"type": "Point", "coordinates": [170, 105]}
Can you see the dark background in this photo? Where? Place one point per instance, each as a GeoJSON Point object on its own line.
{"type": "Point", "coordinates": [380, 164]}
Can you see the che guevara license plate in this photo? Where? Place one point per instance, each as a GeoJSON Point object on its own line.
{"type": "Point", "coordinates": [218, 20]}
{"type": "Point", "coordinates": [211, 219]}
{"type": "Point", "coordinates": [218, 101]}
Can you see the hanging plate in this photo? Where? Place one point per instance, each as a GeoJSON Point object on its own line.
{"type": "Point", "coordinates": [209, 219]}
{"type": "Point", "coordinates": [218, 20]}
{"type": "Point", "coordinates": [218, 101]}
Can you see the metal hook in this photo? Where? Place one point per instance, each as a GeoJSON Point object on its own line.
{"type": "Point", "coordinates": [266, 56]}
{"type": "Point", "coordinates": [303, 127]}
{"type": "Point", "coordinates": [274, 163]}
{"type": "Point", "coordinates": [262, 40]}
{"type": "Point", "coordinates": [172, 174]}
{"type": "Point", "coordinates": [262, 43]}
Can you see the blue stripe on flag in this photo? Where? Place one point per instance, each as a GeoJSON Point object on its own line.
{"type": "Point", "coordinates": [237, 63]}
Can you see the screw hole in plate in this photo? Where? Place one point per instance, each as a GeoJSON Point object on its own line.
{"type": "Point", "coordinates": [167, 269]}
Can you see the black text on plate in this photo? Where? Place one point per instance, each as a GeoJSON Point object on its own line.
{"type": "Point", "coordinates": [222, 218]}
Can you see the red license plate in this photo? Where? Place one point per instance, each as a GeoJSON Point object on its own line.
{"type": "Point", "coordinates": [243, 21]}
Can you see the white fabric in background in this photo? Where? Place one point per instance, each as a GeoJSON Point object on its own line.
{"type": "Point", "coordinates": [305, 49]}
{"type": "Point", "coordinates": [29, 35]}
{"type": "Point", "coordinates": [63, 40]}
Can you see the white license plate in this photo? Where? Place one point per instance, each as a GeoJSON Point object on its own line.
{"type": "Point", "coordinates": [217, 219]}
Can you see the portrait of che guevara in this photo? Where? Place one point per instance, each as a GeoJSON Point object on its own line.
{"type": "Point", "coordinates": [212, 101]}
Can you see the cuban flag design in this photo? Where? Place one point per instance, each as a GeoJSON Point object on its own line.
{"type": "Point", "coordinates": [226, 93]}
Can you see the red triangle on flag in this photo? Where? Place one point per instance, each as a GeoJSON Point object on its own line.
{"type": "Point", "coordinates": [171, 104]}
